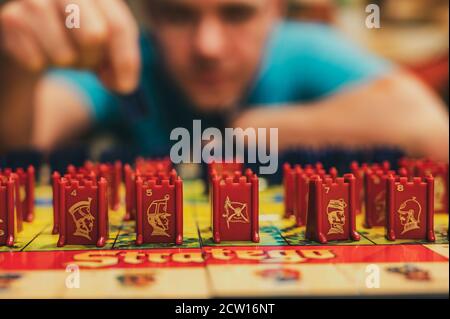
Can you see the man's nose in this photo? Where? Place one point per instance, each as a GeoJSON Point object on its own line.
{"type": "Point", "coordinates": [209, 39]}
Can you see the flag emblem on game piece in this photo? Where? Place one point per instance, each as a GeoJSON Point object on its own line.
{"type": "Point", "coordinates": [235, 212]}
{"type": "Point", "coordinates": [409, 214]}
{"type": "Point", "coordinates": [158, 217]}
{"type": "Point", "coordinates": [83, 219]}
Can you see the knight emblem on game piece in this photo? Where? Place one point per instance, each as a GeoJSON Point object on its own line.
{"type": "Point", "coordinates": [331, 209]}
{"type": "Point", "coordinates": [409, 214]}
{"type": "Point", "coordinates": [336, 216]}
{"type": "Point", "coordinates": [159, 209]}
{"type": "Point", "coordinates": [158, 217]}
{"type": "Point", "coordinates": [235, 212]}
{"type": "Point", "coordinates": [82, 218]}
{"type": "Point", "coordinates": [83, 211]}
{"type": "Point", "coordinates": [410, 207]}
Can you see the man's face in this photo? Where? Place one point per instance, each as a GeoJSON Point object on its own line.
{"type": "Point", "coordinates": [213, 48]}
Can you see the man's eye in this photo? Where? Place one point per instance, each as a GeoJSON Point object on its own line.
{"type": "Point", "coordinates": [178, 16]}
{"type": "Point", "coordinates": [237, 14]}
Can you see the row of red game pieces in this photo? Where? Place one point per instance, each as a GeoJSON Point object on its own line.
{"type": "Point", "coordinates": [16, 202]}
{"type": "Point", "coordinates": [404, 202]}
{"type": "Point", "coordinates": [154, 200]}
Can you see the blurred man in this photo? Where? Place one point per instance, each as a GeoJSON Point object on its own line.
{"type": "Point", "coordinates": [228, 62]}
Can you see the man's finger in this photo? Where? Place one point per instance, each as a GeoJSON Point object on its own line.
{"type": "Point", "coordinates": [18, 40]}
{"type": "Point", "coordinates": [92, 36]}
{"type": "Point", "coordinates": [45, 23]}
{"type": "Point", "coordinates": [123, 46]}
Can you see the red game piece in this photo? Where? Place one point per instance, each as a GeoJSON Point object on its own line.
{"type": "Point", "coordinates": [159, 210]}
{"type": "Point", "coordinates": [162, 165]}
{"type": "Point", "coordinates": [56, 177]}
{"type": "Point", "coordinates": [410, 207]}
{"type": "Point", "coordinates": [27, 181]}
{"type": "Point", "coordinates": [130, 193]}
{"type": "Point", "coordinates": [409, 164]}
{"type": "Point", "coordinates": [360, 171]}
{"type": "Point", "coordinates": [113, 175]}
{"type": "Point", "coordinates": [224, 168]}
{"type": "Point", "coordinates": [296, 189]}
{"type": "Point", "coordinates": [302, 191]}
{"type": "Point", "coordinates": [7, 221]}
{"type": "Point", "coordinates": [331, 209]}
{"type": "Point", "coordinates": [440, 174]}
{"type": "Point", "coordinates": [147, 169]}
{"type": "Point", "coordinates": [25, 198]}
{"type": "Point", "coordinates": [289, 188]}
{"type": "Point", "coordinates": [375, 201]}
{"type": "Point", "coordinates": [83, 212]}
{"type": "Point", "coordinates": [425, 167]}
{"type": "Point", "coordinates": [111, 172]}
{"type": "Point", "coordinates": [235, 207]}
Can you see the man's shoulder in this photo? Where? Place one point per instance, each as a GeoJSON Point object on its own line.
{"type": "Point", "coordinates": [301, 34]}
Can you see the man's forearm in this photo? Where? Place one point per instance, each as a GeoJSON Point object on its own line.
{"type": "Point", "coordinates": [396, 111]}
{"type": "Point", "coordinates": [16, 99]}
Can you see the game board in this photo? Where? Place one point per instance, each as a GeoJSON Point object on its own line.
{"type": "Point", "coordinates": [283, 263]}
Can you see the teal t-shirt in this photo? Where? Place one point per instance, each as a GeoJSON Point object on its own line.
{"type": "Point", "coordinates": [302, 62]}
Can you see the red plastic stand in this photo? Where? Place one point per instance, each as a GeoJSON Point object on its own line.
{"type": "Point", "coordinates": [56, 178]}
{"type": "Point", "coordinates": [130, 193]}
{"type": "Point", "coordinates": [7, 220]}
{"type": "Point", "coordinates": [375, 201]}
{"type": "Point", "coordinates": [147, 169]}
{"type": "Point", "coordinates": [224, 168]}
{"type": "Point", "coordinates": [147, 165]}
{"type": "Point", "coordinates": [439, 170]}
{"type": "Point", "coordinates": [25, 198]}
{"type": "Point", "coordinates": [410, 207]}
{"type": "Point", "coordinates": [83, 212]}
{"type": "Point", "coordinates": [113, 175]}
{"type": "Point", "coordinates": [360, 170]}
{"type": "Point", "coordinates": [159, 209]}
{"type": "Point", "coordinates": [235, 210]}
{"type": "Point", "coordinates": [440, 173]}
{"type": "Point", "coordinates": [296, 189]}
{"type": "Point", "coordinates": [111, 172]}
{"type": "Point", "coordinates": [331, 209]}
